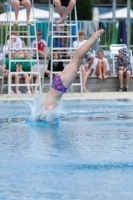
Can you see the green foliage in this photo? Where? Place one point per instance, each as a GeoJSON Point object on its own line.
{"type": "Point", "coordinates": [132, 4]}
{"type": "Point", "coordinates": [1, 8]}
{"type": "Point", "coordinates": [131, 39]}
{"type": "Point", "coordinates": [84, 9]}
{"type": "Point", "coordinates": [3, 33]}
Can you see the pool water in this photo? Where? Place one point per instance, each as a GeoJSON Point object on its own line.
{"type": "Point", "coordinates": [88, 154]}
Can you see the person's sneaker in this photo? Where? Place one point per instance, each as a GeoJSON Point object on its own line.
{"type": "Point", "coordinates": [28, 92]}
{"type": "Point", "coordinates": [16, 22]}
{"type": "Point", "coordinates": [28, 22]}
{"type": "Point", "coordinates": [12, 92]}
{"type": "Point", "coordinates": [18, 92]}
{"type": "Point", "coordinates": [36, 92]}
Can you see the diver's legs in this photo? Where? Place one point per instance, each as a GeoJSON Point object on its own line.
{"type": "Point", "coordinates": [70, 71]}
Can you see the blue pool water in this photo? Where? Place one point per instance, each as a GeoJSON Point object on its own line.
{"type": "Point", "coordinates": [88, 154]}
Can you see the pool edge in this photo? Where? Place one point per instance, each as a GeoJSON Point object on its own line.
{"type": "Point", "coordinates": [76, 96]}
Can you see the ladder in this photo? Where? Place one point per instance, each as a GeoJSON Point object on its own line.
{"type": "Point", "coordinates": [23, 31]}
{"type": "Point", "coordinates": [66, 34]}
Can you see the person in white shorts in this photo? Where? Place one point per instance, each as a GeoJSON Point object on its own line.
{"type": "Point", "coordinates": [88, 57]}
{"type": "Point", "coordinates": [101, 66]}
{"type": "Point", "coordinates": [27, 4]}
{"type": "Point", "coordinates": [69, 4]}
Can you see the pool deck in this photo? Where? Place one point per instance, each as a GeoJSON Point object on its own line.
{"type": "Point", "coordinates": [76, 96]}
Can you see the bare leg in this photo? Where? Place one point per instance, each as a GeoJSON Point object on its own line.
{"type": "Point", "coordinates": [90, 61]}
{"type": "Point", "coordinates": [16, 5]}
{"type": "Point", "coordinates": [27, 5]}
{"type": "Point", "coordinates": [128, 74]}
{"type": "Point", "coordinates": [67, 11]}
{"type": "Point", "coordinates": [120, 74]}
{"type": "Point", "coordinates": [104, 69]}
{"type": "Point", "coordinates": [6, 76]}
{"type": "Point", "coordinates": [16, 80]}
{"type": "Point", "coordinates": [70, 71]}
{"type": "Point", "coordinates": [36, 77]}
{"type": "Point", "coordinates": [27, 81]}
{"type": "Point", "coordinates": [84, 79]}
{"type": "Point", "coordinates": [58, 7]}
{"type": "Point", "coordinates": [99, 69]}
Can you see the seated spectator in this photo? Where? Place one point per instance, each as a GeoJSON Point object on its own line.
{"type": "Point", "coordinates": [27, 4]}
{"type": "Point", "coordinates": [28, 67]}
{"type": "Point", "coordinates": [41, 45]}
{"type": "Point", "coordinates": [62, 43]}
{"type": "Point", "coordinates": [101, 66]}
{"type": "Point", "coordinates": [69, 4]}
{"type": "Point", "coordinates": [123, 67]}
{"type": "Point", "coordinates": [57, 66]}
{"type": "Point", "coordinates": [13, 69]}
{"type": "Point", "coordinates": [17, 44]}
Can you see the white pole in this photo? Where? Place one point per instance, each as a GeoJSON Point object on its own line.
{"type": "Point", "coordinates": [128, 23]}
{"type": "Point", "coordinates": [114, 10]}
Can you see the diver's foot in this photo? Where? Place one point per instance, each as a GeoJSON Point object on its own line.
{"type": "Point", "coordinates": [97, 34]}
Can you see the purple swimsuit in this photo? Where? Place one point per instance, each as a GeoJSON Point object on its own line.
{"type": "Point", "coordinates": [57, 84]}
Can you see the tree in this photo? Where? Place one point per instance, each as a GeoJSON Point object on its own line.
{"type": "Point", "coordinates": [132, 4]}
{"type": "Point", "coordinates": [84, 9]}
{"type": "Point", "coordinates": [1, 8]}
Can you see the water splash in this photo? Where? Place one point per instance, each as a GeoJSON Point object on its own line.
{"type": "Point", "coordinates": [40, 116]}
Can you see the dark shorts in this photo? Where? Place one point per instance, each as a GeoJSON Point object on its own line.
{"type": "Point", "coordinates": [65, 2]}
{"type": "Point", "coordinates": [21, 1]}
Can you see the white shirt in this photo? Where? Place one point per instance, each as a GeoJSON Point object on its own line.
{"type": "Point", "coordinates": [95, 61]}
{"type": "Point", "coordinates": [77, 44]}
{"type": "Point", "coordinates": [17, 45]}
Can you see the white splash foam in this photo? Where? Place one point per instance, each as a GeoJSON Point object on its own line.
{"type": "Point", "coordinates": [39, 114]}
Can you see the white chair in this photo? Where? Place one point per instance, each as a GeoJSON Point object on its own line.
{"type": "Point", "coordinates": [114, 52]}
{"type": "Point", "coordinates": [5, 50]}
{"type": "Point", "coordinates": [1, 73]}
{"type": "Point", "coordinates": [131, 57]}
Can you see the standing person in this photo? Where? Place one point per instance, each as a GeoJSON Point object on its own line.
{"type": "Point", "coordinates": [123, 67]}
{"type": "Point", "coordinates": [69, 4]}
{"type": "Point", "coordinates": [29, 67]}
{"type": "Point", "coordinates": [27, 4]}
{"type": "Point", "coordinates": [88, 57]}
{"type": "Point", "coordinates": [13, 69]}
{"type": "Point", "coordinates": [101, 66]}
{"type": "Point", "coordinates": [41, 45]}
{"type": "Point", "coordinates": [63, 81]}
